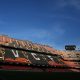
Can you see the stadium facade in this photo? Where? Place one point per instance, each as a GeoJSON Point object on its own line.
{"type": "Point", "coordinates": [24, 55]}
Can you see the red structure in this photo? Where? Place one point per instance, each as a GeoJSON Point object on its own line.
{"type": "Point", "coordinates": [26, 55]}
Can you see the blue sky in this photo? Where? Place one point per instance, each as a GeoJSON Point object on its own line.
{"type": "Point", "coordinates": [52, 22]}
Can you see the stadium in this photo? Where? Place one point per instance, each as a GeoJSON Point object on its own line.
{"type": "Point", "coordinates": [39, 39]}
{"type": "Point", "coordinates": [25, 55]}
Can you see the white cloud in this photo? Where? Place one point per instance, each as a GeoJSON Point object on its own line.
{"type": "Point", "coordinates": [32, 33]}
{"type": "Point", "coordinates": [63, 3]}
{"type": "Point", "coordinates": [75, 3]}
{"type": "Point", "coordinates": [57, 31]}
{"type": "Point", "coordinates": [44, 36]}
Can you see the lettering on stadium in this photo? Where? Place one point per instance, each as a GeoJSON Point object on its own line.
{"type": "Point", "coordinates": [26, 57]}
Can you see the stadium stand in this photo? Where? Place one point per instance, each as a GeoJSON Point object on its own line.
{"type": "Point", "coordinates": [26, 55]}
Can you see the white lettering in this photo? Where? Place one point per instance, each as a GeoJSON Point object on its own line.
{"type": "Point", "coordinates": [15, 53]}
{"type": "Point", "coordinates": [34, 55]}
{"type": "Point", "coordinates": [50, 57]}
